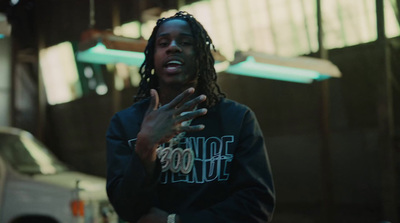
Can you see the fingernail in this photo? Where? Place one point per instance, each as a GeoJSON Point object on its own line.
{"type": "Point", "coordinates": [191, 90]}
{"type": "Point", "coordinates": [204, 110]}
{"type": "Point", "coordinates": [203, 97]}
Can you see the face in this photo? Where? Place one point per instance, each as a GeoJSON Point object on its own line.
{"type": "Point", "coordinates": [174, 56]}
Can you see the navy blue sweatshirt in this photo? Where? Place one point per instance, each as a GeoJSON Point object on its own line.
{"type": "Point", "coordinates": [230, 180]}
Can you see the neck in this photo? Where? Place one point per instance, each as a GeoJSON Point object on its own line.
{"type": "Point", "coordinates": [168, 92]}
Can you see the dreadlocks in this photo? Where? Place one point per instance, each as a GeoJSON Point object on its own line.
{"type": "Point", "coordinates": [207, 77]}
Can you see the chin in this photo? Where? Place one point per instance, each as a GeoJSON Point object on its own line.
{"type": "Point", "coordinates": [179, 80]}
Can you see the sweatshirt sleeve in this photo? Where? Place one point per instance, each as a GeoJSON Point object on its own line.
{"type": "Point", "coordinates": [130, 190]}
{"type": "Point", "coordinates": [252, 196]}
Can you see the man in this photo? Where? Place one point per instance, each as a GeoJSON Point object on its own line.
{"type": "Point", "coordinates": [183, 152]}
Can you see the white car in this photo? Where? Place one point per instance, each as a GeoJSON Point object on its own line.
{"type": "Point", "coordinates": [36, 187]}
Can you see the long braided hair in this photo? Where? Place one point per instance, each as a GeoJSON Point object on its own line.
{"type": "Point", "coordinates": [207, 76]}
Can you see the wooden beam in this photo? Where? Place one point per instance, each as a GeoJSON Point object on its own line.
{"type": "Point", "coordinates": [327, 207]}
{"type": "Point", "coordinates": [389, 189]}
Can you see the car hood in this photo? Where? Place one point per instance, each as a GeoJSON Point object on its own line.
{"type": "Point", "coordinates": [89, 185]}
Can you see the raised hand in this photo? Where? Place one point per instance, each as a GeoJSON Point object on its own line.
{"type": "Point", "coordinates": [161, 124]}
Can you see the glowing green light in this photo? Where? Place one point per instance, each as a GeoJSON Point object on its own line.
{"type": "Point", "coordinates": [101, 55]}
{"type": "Point", "coordinates": [250, 67]}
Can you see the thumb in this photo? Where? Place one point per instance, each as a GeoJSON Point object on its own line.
{"type": "Point", "coordinates": [153, 101]}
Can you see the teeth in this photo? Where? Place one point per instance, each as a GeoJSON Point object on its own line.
{"type": "Point", "coordinates": [174, 62]}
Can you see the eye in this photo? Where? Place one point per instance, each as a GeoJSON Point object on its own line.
{"type": "Point", "coordinates": [162, 42]}
{"type": "Point", "coordinates": [186, 42]}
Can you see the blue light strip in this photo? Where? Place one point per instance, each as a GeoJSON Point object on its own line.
{"type": "Point", "coordinates": [101, 55]}
{"type": "Point", "coordinates": [250, 67]}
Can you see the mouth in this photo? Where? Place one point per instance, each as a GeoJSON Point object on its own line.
{"type": "Point", "coordinates": [173, 66]}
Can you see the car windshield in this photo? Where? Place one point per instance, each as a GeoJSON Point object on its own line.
{"type": "Point", "coordinates": [27, 155]}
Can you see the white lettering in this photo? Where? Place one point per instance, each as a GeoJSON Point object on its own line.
{"type": "Point", "coordinates": [209, 160]}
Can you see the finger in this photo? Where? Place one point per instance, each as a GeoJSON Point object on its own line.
{"type": "Point", "coordinates": [191, 104]}
{"type": "Point", "coordinates": [193, 128]}
{"type": "Point", "coordinates": [191, 115]}
{"type": "Point", "coordinates": [154, 100]}
{"type": "Point", "coordinates": [180, 98]}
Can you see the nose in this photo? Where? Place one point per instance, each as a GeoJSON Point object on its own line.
{"type": "Point", "coordinates": [174, 47]}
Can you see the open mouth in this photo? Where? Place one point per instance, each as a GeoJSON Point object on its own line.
{"type": "Point", "coordinates": [173, 66]}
